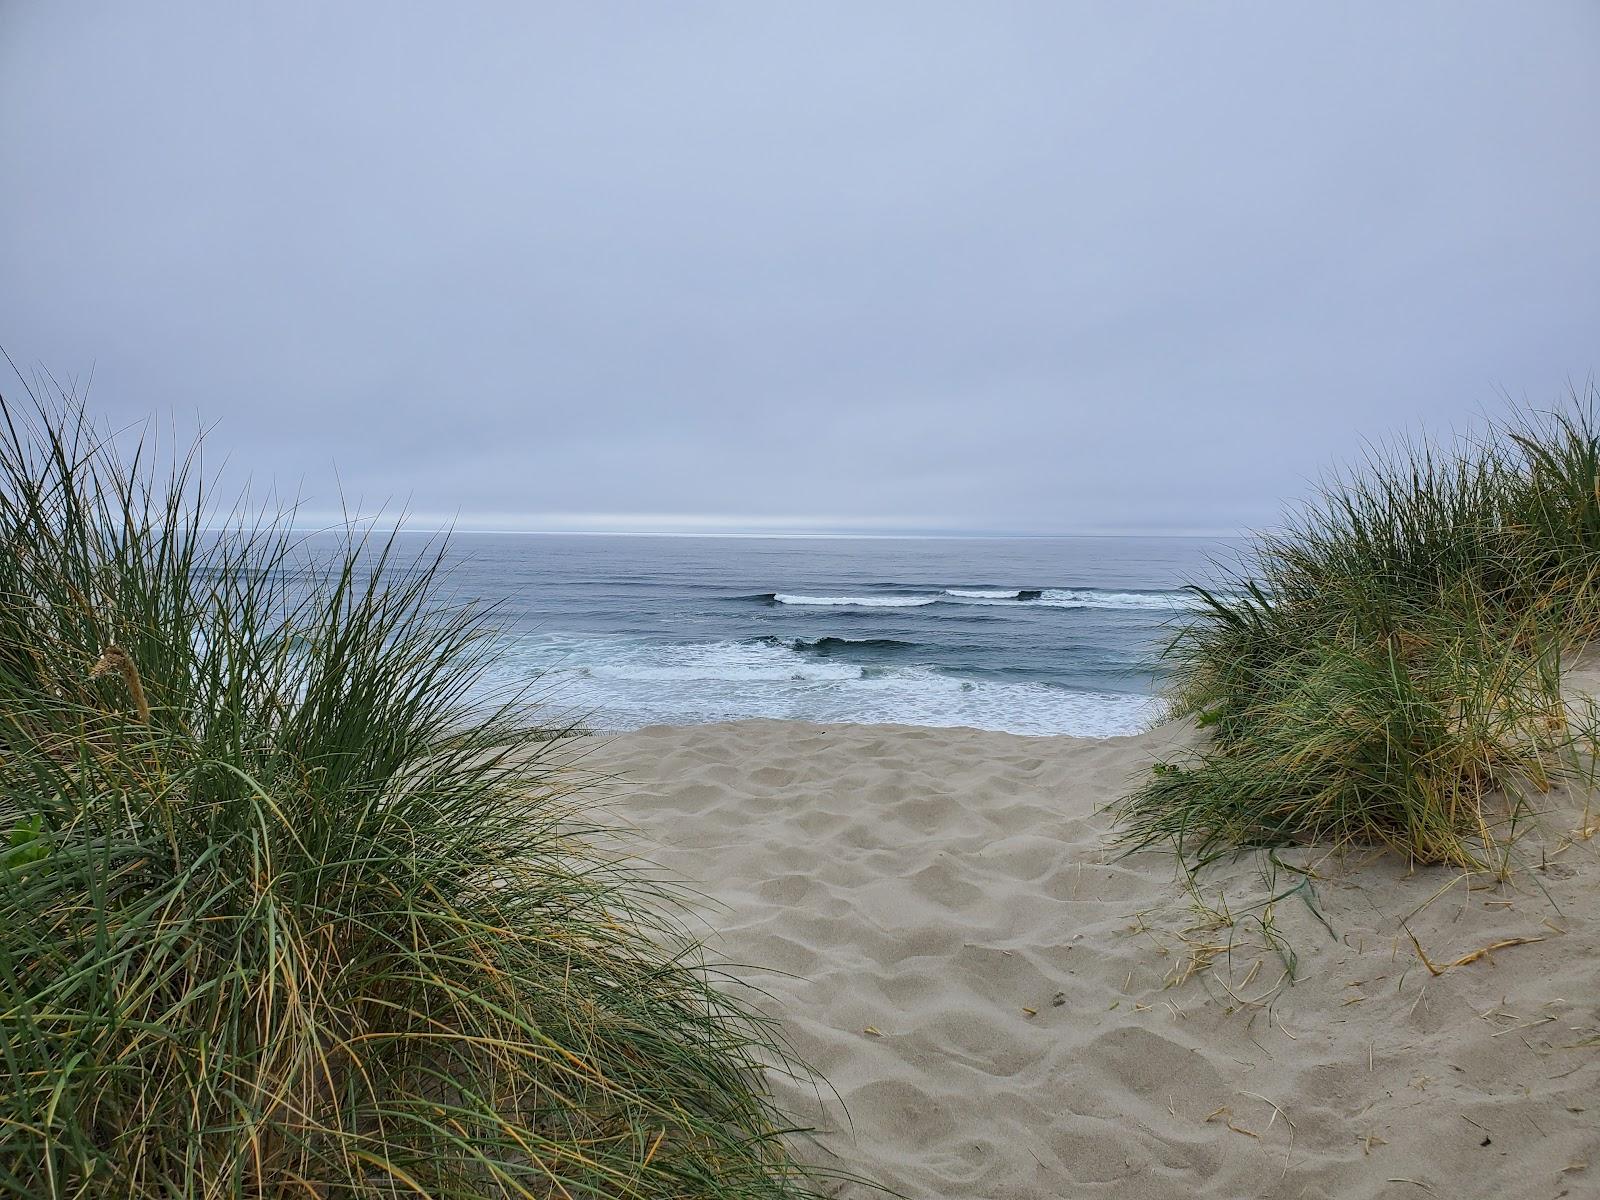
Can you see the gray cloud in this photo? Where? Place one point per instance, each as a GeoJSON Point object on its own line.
{"type": "Point", "coordinates": [1023, 267]}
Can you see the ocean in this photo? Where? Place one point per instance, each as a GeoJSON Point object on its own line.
{"type": "Point", "coordinates": [1022, 635]}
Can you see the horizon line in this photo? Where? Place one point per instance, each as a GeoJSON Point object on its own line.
{"type": "Point", "coordinates": [693, 524]}
{"type": "Point", "coordinates": [811, 535]}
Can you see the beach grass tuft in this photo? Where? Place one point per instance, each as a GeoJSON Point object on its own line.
{"type": "Point", "coordinates": [286, 910]}
{"type": "Point", "coordinates": [1387, 668]}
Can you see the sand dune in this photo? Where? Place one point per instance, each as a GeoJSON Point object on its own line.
{"type": "Point", "coordinates": [1008, 1010]}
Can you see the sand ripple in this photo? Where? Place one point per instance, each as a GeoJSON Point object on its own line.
{"type": "Point", "coordinates": [949, 890]}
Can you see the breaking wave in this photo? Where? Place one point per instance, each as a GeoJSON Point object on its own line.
{"type": "Point", "coordinates": [985, 594]}
{"type": "Point", "coordinates": [629, 683]}
{"type": "Point", "coordinates": [854, 601]}
{"type": "Point", "coordinates": [1158, 601]}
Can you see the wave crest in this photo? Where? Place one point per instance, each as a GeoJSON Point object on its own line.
{"type": "Point", "coordinates": [1100, 598]}
{"type": "Point", "coordinates": [855, 601]}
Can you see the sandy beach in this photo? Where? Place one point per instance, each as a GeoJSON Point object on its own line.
{"type": "Point", "coordinates": [1007, 1009]}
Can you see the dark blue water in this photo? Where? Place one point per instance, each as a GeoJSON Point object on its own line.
{"type": "Point", "coordinates": [1040, 636]}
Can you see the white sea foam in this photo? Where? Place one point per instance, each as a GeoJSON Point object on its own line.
{"type": "Point", "coordinates": [627, 683]}
{"type": "Point", "coordinates": [857, 601]}
{"type": "Point", "coordinates": [1096, 598]}
{"type": "Point", "coordinates": [1029, 598]}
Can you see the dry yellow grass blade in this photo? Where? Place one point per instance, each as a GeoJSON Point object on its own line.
{"type": "Point", "coordinates": [115, 658]}
{"type": "Point", "coordinates": [1467, 959]}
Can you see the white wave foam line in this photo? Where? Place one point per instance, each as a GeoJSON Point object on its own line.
{"type": "Point", "coordinates": [623, 661]}
{"type": "Point", "coordinates": [718, 663]}
{"type": "Point", "coordinates": [857, 601]}
{"type": "Point", "coordinates": [1078, 598]}
{"type": "Point", "coordinates": [627, 685]}
{"type": "Point", "coordinates": [1047, 598]}
{"type": "Point", "coordinates": [1095, 598]}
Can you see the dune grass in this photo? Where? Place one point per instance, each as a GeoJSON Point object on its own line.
{"type": "Point", "coordinates": [1387, 669]}
{"type": "Point", "coordinates": [284, 912]}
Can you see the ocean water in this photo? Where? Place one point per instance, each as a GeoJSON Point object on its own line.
{"type": "Point", "coordinates": [1032, 636]}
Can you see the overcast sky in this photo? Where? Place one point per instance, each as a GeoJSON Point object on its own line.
{"type": "Point", "coordinates": [1042, 267]}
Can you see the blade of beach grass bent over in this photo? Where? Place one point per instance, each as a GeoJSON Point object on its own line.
{"type": "Point", "coordinates": [287, 910]}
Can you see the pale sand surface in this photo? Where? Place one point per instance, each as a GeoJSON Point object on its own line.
{"type": "Point", "coordinates": [932, 886]}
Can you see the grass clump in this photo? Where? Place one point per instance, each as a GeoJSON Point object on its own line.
{"type": "Point", "coordinates": [285, 911]}
{"type": "Point", "coordinates": [1387, 670]}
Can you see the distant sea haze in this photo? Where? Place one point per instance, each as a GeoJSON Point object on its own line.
{"type": "Point", "coordinates": [1028, 636]}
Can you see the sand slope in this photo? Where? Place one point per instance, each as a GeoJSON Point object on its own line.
{"type": "Point", "coordinates": [925, 889]}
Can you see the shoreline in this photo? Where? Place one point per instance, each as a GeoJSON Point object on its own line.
{"type": "Point", "coordinates": [1173, 728]}
{"type": "Point", "coordinates": [1008, 1008]}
